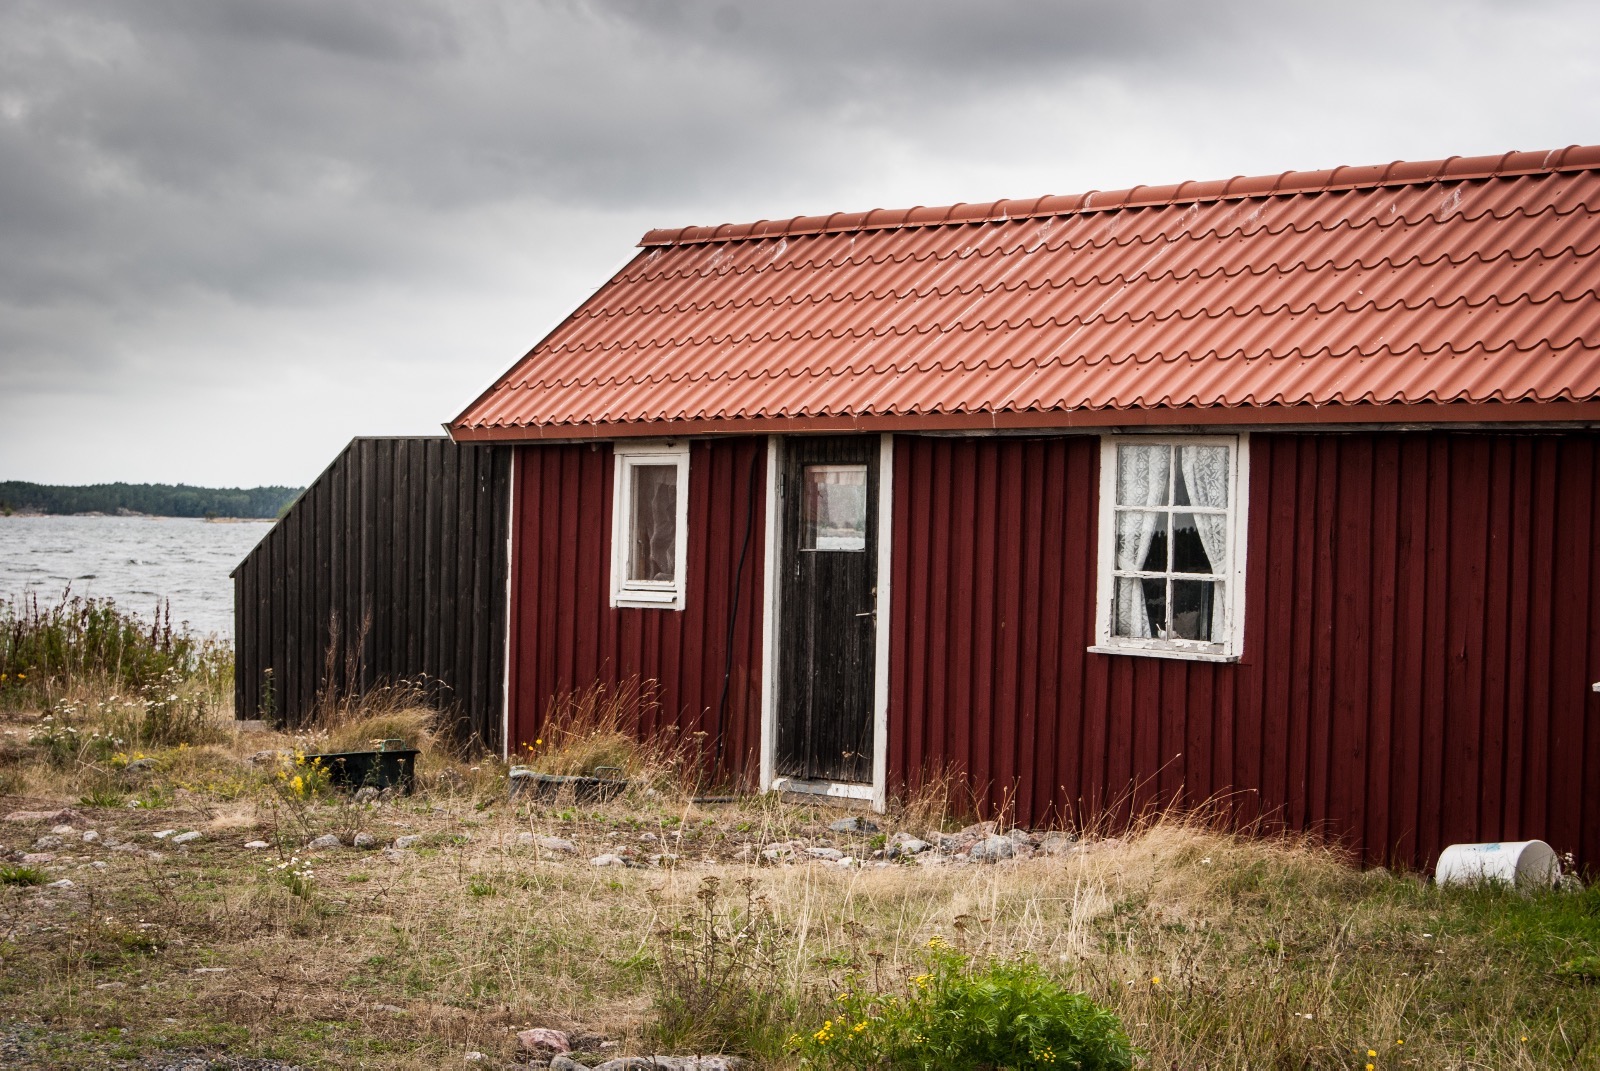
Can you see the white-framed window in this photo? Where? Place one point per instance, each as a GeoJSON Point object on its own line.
{"type": "Point", "coordinates": [650, 525]}
{"type": "Point", "coordinates": [1172, 545]}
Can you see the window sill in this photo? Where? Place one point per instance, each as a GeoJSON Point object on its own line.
{"type": "Point", "coordinates": [1156, 652]}
{"type": "Point", "coordinates": [641, 600]}
{"type": "Point", "coordinates": [849, 790]}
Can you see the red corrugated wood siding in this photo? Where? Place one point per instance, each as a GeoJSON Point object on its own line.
{"type": "Point", "coordinates": [566, 636]}
{"type": "Point", "coordinates": [1423, 628]}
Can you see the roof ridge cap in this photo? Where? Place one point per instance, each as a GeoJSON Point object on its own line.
{"type": "Point", "coordinates": [1338, 179]}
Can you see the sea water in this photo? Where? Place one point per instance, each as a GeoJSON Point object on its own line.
{"type": "Point", "coordinates": [138, 561]}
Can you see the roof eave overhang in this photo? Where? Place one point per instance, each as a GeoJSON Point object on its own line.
{"type": "Point", "coordinates": [1411, 414]}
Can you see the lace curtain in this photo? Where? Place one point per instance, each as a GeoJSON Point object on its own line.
{"type": "Point", "coordinates": [1142, 477]}
{"type": "Point", "coordinates": [1205, 473]}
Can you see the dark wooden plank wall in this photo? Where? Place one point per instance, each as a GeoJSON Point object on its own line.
{"type": "Point", "coordinates": [566, 635]}
{"type": "Point", "coordinates": [1423, 627]}
{"type": "Point", "coordinates": [408, 535]}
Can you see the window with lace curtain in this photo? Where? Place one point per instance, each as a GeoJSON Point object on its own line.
{"type": "Point", "coordinates": [650, 521]}
{"type": "Point", "coordinates": [1172, 546]}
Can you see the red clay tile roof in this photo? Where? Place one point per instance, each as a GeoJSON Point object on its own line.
{"type": "Point", "coordinates": [1407, 292]}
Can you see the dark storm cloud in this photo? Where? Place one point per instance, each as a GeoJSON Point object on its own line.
{"type": "Point", "coordinates": [331, 201]}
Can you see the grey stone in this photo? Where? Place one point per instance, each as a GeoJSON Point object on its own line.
{"type": "Point", "coordinates": [187, 838]}
{"type": "Point", "coordinates": [64, 883]}
{"type": "Point", "coordinates": [992, 849]}
{"type": "Point", "coordinates": [35, 858]}
{"type": "Point", "coordinates": [326, 841]}
{"type": "Point", "coordinates": [394, 855]}
{"type": "Point", "coordinates": [410, 840]}
{"type": "Point", "coordinates": [563, 1062]}
{"type": "Point", "coordinates": [366, 794]}
{"type": "Point", "coordinates": [980, 829]}
{"type": "Point", "coordinates": [257, 845]}
{"type": "Point", "coordinates": [140, 765]}
{"type": "Point", "coordinates": [364, 840]}
{"type": "Point", "coordinates": [555, 844]}
{"type": "Point", "coordinates": [1058, 843]}
{"type": "Point", "coordinates": [905, 844]}
{"type": "Point", "coordinates": [1021, 836]}
{"type": "Point", "coordinates": [48, 843]}
{"type": "Point", "coordinates": [473, 1056]}
{"type": "Point", "coordinates": [163, 834]}
{"type": "Point", "coordinates": [825, 853]}
{"type": "Point", "coordinates": [261, 758]}
{"type": "Point", "coordinates": [63, 830]}
{"type": "Point", "coordinates": [853, 824]}
{"type": "Point", "coordinates": [90, 836]}
{"type": "Point", "coordinates": [608, 860]}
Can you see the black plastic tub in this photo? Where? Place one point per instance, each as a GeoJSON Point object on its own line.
{"type": "Point", "coordinates": [585, 788]}
{"type": "Point", "coordinates": [387, 767]}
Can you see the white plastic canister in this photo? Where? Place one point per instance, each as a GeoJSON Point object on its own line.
{"type": "Point", "coordinates": [1530, 864]}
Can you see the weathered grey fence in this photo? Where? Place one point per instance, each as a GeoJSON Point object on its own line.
{"type": "Point", "coordinates": [390, 567]}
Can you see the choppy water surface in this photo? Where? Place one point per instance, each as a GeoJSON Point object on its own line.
{"type": "Point", "coordinates": [137, 561]}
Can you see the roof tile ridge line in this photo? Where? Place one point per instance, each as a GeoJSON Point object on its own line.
{"type": "Point", "coordinates": [1438, 171]}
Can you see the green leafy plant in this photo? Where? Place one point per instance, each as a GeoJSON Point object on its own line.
{"type": "Point", "coordinates": [22, 875]}
{"type": "Point", "coordinates": [955, 1015]}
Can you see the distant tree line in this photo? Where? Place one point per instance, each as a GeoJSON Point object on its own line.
{"type": "Point", "coordinates": [156, 499]}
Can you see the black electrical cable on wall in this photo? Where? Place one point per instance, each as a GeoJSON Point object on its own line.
{"type": "Point", "coordinates": [733, 611]}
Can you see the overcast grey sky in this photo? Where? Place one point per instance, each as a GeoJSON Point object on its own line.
{"type": "Point", "coordinates": [233, 235]}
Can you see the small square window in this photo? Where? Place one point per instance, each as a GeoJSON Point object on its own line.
{"type": "Point", "coordinates": [1171, 554]}
{"type": "Point", "coordinates": [834, 510]}
{"type": "Point", "coordinates": [649, 521]}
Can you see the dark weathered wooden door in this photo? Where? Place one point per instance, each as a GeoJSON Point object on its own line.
{"type": "Point", "coordinates": [828, 608]}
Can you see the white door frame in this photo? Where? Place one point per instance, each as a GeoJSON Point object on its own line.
{"type": "Point", "coordinates": [877, 792]}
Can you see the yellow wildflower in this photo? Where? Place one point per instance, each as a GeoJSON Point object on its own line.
{"type": "Point", "coordinates": [1372, 1052]}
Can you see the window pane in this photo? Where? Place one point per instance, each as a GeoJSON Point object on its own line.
{"type": "Point", "coordinates": [834, 507]}
{"type": "Point", "coordinates": [1194, 615]}
{"type": "Point", "coordinates": [1142, 474]}
{"type": "Point", "coordinates": [653, 540]}
{"type": "Point", "coordinates": [1140, 610]}
{"type": "Point", "coordinates": [1142, 540]}
{"type": "Point", "coordinates": [1202, 476]}
{"type": "Point", "coordinates": [1199, 542]}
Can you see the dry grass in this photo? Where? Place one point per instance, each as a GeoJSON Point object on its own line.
{"type": "Point", "coordinates": [1218, 951]}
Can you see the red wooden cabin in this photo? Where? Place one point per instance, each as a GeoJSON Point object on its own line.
{"type": "Point", "coordinates": [1283, 491]}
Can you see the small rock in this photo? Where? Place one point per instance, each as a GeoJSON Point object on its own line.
{"type": "Point", "coordinates": [394, 855]}
{"type": "Point", "coordinates": [556, 844]}
{"type": "Point", "coordinates": [187, 838]}
{"type": "Point", "coordinates": [63, 830]}
{"type": "Point", "coordinates": [65, 815]}
{"type": "Point", "coordinates": [155, 856]}
{"type": "Point", "coordinates": [112, 985]}
{"type": "Point", "coordinates": [1021, 836]}
{"type": "Point", "coordinates": [363, 840]}
{"type": "Point", "coordinates": [261, 758]}
{"type": "Point", "coordinates": [744, 853]}
{"type": "Point", "coordinates": [825, 853]}
{"type": "Point", "coordinates": [608, 860]}
{"type": "Point", "coordinates": [905, 844]}
{"type": "Point", "coordinates": [327, 840]}
{"type": "Point", "coordinates": [140, 765]}
{"type": "Point", "coordinates": [1058, 843]}
{"type": "Point", "coordinates": [256, 845]}
{"type": "Point", "coordinates": [98, 865]}
{"type": "Point", "coordinates": [992, 849]}
{"type": "Point", "coordinates": [853, 824]}
{"type": "Point", "coordinates": [125, 848]}
{"type": "Point", "coordinates": [45, 844]}
{"type": "Point", "coordinates": [473, 1056]}
{"type": "Point", "coordinates": [163, 834]}
{"type": "Point", "coordinates": [647, 836]}
{"type": "Point", "coordinates": [90, 836]}
{"type": "Point", "coordinates": [392, 1009]}
{"type": "Point", "coordinates": [410, 840]}
{"type": "Point", "coordinates": [366, 794]}
{"type": "Point", "coordinates": [64, 883]}
{"type": "Point", "coordinates": [210, 970]}
{"type": "Point", "coordinates": [544, 1041]}
{"type": "Point", "coordinates": [35, 858]}
{"type": "Point", "coordinates": [980, 829]}
{"type": "Point", "coordinates": [662, 859]}
{"type": "Point", "coordinates": [562, 1062]}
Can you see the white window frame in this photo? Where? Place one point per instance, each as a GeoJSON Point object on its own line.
{"type": "Point", "coordinates": [649, 594]}
{"type": "Point", "coordinates": [1233, 571]}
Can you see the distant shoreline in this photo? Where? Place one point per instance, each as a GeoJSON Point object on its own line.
{"type": "Point", "coordinates": [29, 514]}
{"type": "Point", "coordinates": [145, 500]}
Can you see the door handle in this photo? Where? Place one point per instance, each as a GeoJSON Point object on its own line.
{"type": "Point", "coordinates": [868, 613]}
